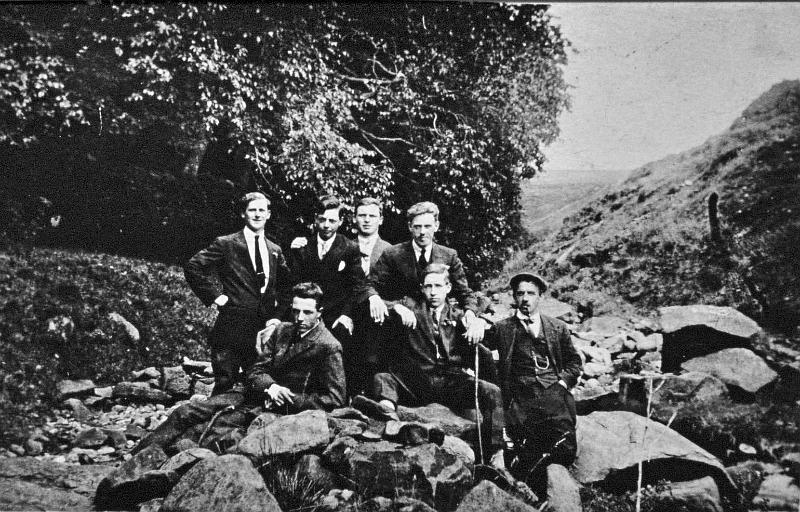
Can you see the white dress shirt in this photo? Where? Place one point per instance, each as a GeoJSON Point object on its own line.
{"type": "Point", "coordinates": [418, 250]}
{"type": "Point", "coordinates": [250, 238]}
{"type": "Point", "coordinates": [365, 246]}
{"type": "Point", "coordinates": [535, 327]}
{"type": "Point", "coordinates": [323, 246]}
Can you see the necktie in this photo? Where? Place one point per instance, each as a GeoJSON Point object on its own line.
{"type": "Point", "coordinates": [365, 263]}
{"type": "Point", "coordinates": [259, 265]}
{"type": "Point", "coordinates": [441, 350]}
{"type": "Point", "coordinates": [421, 263]}
{"type": "Point", "coordinates": [322, 250]}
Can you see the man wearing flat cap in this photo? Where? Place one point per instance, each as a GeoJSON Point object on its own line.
{"type": "Point", "coordinates": [538, 366]}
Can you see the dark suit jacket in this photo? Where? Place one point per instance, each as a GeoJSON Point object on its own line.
{"type": "Point", "coordinates": [503, 336]}
{"type": "Point", "coordinates": [380, 246]}
{"type": "Point", "coordinates": [311, 367]}
{"type": "Point", "coordinates": [339, 274]}
{"type": "Point", "coordinates": [395, 275]}
{"type": "Point", "coordinates": [226, 262]}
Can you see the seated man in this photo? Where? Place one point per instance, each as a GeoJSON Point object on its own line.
{"type": "Point", "coordinates": [431, 359]}
{"type": "Point", "coordinates": [299, 367]}
{"type": "Point", "coordinates": [538, 365]}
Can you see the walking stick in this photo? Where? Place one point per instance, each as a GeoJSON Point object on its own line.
{"type": "Point", "coordinates": [477, 403]}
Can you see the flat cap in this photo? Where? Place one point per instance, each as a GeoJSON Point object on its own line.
{"type": "Point", "coordinates": [538, 280]}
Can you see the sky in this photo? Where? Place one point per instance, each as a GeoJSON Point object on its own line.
{"type": "Point", "coordinates": [651, 80]}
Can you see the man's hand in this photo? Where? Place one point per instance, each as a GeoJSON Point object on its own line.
{"type": "Point", "coordinates": [221, 300]}
{"type": "Point", "coordinates": [407, 316]}
{"type": "Point", "coordinates": [264, 334]}
{"type": "Point", "coordinates": [299, 242]}
{"type": "Point", "coordinates": [345, 321]}
{"type": "Point", "coordinates": [475, 330]}
{"type": "Point", "coordinates": [561, 381]}
{"type": "Point", "coordinates": [377, 309]}
{"type": "Point", "coordinates": [279, 395]}
{"type": "Point", "coordinates": [468, 318]}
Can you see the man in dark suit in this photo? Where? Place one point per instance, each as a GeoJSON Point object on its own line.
{"type": "Point", "coordinates": [432, 362]}
{"type": "Point", "coordinates": [398, 272]}
{"type": "Point", "coordinates": [538, 366]}
{"type": "Point", "coordinates": [245, 275]}
{"type": "Point", "coordinates": [369, 218]}
{"type": "Point", "coordinates": [299, 367]}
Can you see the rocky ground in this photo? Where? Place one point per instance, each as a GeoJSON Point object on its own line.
{"type": "Point", "coordinates": [699, 394]}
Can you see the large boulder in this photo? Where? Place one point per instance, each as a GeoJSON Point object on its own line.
{"type": "Point", "coordinates": [183, 461]}
{"type": "Point", "coordinates": [31, 484]}
{"type": "Point", "coordinates": [693, 331]}
{"type": "Point", "coordinates": [449, 422]}
{"type": "Point", "coordinates": [605, 325]}
{"type": "Point", "coordinates": [287, 435]}
{"type": "Point", "coordinates": [74, 388]}
{"type": "Point", "coordinates": [736, 367]}
{"type": "Point", "coordinates": [176, 382]}
{"type": "Point", "coordinates": [140, 392]}
{"type": "Point", "coordinates": [611, 444]}
{"type": "Point", "coordinates": [563, 492]}
{"type": "Point", "coordinates": [225, 483]}
{"type": "Point", "coordinates": [137, 480]}
{"type": "Point", "coordinates": [635, 390]}
{"type": "Point", "coordinates": [778, 492]}
{"type": "Point", "coordinates": [701, 495]}
{"type": "Point", "coordinates": [487, 497]}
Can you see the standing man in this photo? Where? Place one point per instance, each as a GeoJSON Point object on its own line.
{"type": "Point", "coordinates": [333, 261]}
{"type": "Point", "coordinates": [246, 277]}
{"type": "Point", "coordinates": [432, 362]}
{"type": "Point", "coordinates": [538, 367]}
{"type": "Point", "coordinates": [369, 217]}
{"type": "Point", "coordinates": [398, 272]}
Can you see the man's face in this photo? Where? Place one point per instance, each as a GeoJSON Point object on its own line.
{"type": "Point", "coordinates": [435, 287]}
{"type": "Point", "coordinates": [256, 214]}
{"type": "Point", "coordinates": [327, 222]}
{"type": "Point", "coordinates": [368, 219]}
{"type": "Point", "coordinates": [422, 228]}
{"type": "Point", "coordinates": [527, 297]}
{"type": "Point", "coordinates": [305, 313]}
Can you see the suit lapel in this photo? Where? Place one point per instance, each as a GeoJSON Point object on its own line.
{"type": "Point", "coordinates": [410, 260]}
{"type": "Point", "coordinates": [243, 255]}
{"type": "Point", "coordinates": [549, 338]}
{"type": "Point", "coordinates": [428, 328]}
{"type": "Point", "coordinates": [507, 363]}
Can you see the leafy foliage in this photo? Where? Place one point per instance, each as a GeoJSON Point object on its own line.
{"type": "Point", "coordinates": [444, 102]}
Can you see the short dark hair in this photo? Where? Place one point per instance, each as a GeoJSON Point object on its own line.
{"type": "Point", "coordinates": [369, 201]}
{"type": "Point", "coordinates": [437, 268]}
{"type": "Point", "coordinates": [327, 202]}
{"type": "Point", "coordinates": [421, 209]}
{"type": "Point", "coordinates": [308, 290]}
{"type": "Point", "coordinates": [246, 199]}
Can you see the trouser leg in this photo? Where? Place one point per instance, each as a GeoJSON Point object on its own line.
{"type": "Point", "coordinates": [187, 416]}
{"type": "Point", "coordinates": [233, 348]}
{"type": "Point", "coordinates": [458, 391]}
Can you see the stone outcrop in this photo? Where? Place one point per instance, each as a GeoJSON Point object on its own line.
{"type": "Point", "coordinates": [737, 367]}
{"type": "Point", "coordinates": [136, 481]}
{"type": "Point", "coordinates": [287, 435]}
{"type": "Point", "coordinates": [487, 497]}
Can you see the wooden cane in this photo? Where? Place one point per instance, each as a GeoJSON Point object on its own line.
{"type": "Point", "coordinates": [477, 403]}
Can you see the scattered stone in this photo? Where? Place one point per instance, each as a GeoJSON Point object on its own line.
{"type": "Point", "coordinates": [605, 325]}
{"type": "Point", "coordinates": [650, 343]}
{"type": "Point", "coordinates": [778, 492]}
{"type": "Point", "coordinates": [737, 367]}
{"type": "Point", "coordinates": [408, 504]}
{"type": "Point", "coordinates": [701, 495]}
{"type": "Point", "coordinates": [93, 401]}
{"type": "Point", "coordinates": [228, 482]}
{"type": "Point", "coordinates": [176, 382]}
{"type": "Point", "coordinates": [449, 477]}
{"type": "Point", "coordinates": [203, 387]}
{"type": "Point", "coordinates": [614, 344]}
{"type": "Point", "coordinates": [79, 411]}
{"type": "Point", "coordinates": [487, 497]}
{"type": "Point", "coordinates": [437, 414]}
{"type": "Point", "coordinates": [117, 437]}
{"type": "Point", "coordinates": [596, 354]}
{"type": "Point", "coordinates": [191, 366]}
{"type": "Point", "coordinates": [33, 447]}
{"type": "Point", "coordinates": [348, 413]}
{"type": "Point", "coordinates": [90, 438]}
{"type": "Point", "coordinates": [288, 434]}
{"type": "Point", "coordinates": [344, 499]}
{"type": "Point", "coordinates": [563, 492]}
{"type": "Point", "coordinates": [135, 481]}
{"type": "Point", "coordinates": [129, 328]}
{"type": "Point", "coordinates": [183, 461]}
{"type": "Point", "coordinates": [140, 391]}
{"type": "Point", "coordinates": [310, 467]}
{"type": "Point", "coordinates": [74, 388]}
{"type": "Point", "coordinates": [147, 374]}
{"type": "Point", "coordinates": [460, 449]}
{"type": "Point", "coordinates": [792, 462]}
{"type": "Point", "coordinates": [104, 392]}
{"type": "Point", "coordinates": [153, 505]}
{"type": "Point", "coordinates": [346, 426]}
{"type": "Point", "coordinates": [135, 432]}
{"type": "Point", "coordinates": [596, 369]}
{"type": "Point", "coordinates": [556, 309]}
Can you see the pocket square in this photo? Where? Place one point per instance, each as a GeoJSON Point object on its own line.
{"type": "Point", "coordinates": [341, 266]}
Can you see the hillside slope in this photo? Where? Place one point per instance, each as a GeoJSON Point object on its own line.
{"type": "Point", "coordinates": [649, 243]}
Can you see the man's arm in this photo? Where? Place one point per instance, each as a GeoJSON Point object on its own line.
{"type": "Point", "coordinates": [284, 281]}
{"type": "Point", "coordinates": [201, 269]}
{"type": "Point", "coordinates": [461, 290]}
{"type": "Point", "coordinates": [332, 380]}
{"type": "Point", "coordinates": [572, 360]}
{"type": "Point", "coordinates": [258, 377]}
{"type": "Point", "coordinates": [353, 277]}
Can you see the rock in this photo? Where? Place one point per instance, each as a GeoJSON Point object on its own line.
{"type": "Point", "coordinates": [792, 462]}
{"type": "Point", "coordinates": [614, 344]}
{"type": "Point", "coordinates": [261, 421]}
{"type": "Point", "coordinates": [141, 392]}
{"type": "Point", "coordinates": [634, 390]}
{"type": "Point", "coordinates": [449, 422]}
{"type": "Point", "coordinates": [149, 373]}
{"type": "Point", "coordinates": [288, 434]}
{"type": "Point", "coordinates": [74, 388]}
{"type": "Point", "coordinates": [348, 413]}
{"type": "Point", "coordinates": [183, 461]}
{"type": "Point", "coordinates": [134, 432]}
{"type": "Point", "coordinates": [563, 492]}
{"type": "Point", "coordinates": [153, 505]}
{"type": "Point", "coordinates": [605, 325]}
{"type": "Point", "coordinates": [748, 477]}
{"type": "Point", "coordinates": [556, 309]}
{"type": "Point", "coordinates": [407, 504]}
{"type": "Point", "coordinates": [344, 500]}
{"type": "Point", "coordinates": [460, 449]}
{"type": "Point", "coordinates": [650, 343]}
{"type": "Point", "coordinates": [610, 443]}
{"type": "Point", "coordinates": [30, 484]}
{"type": "Point", "coordinates": [33, 447]}
{"type": "Point", "coordinates": [104, 392]}
{"type": "Point", "coordinates": [203, 388]}
{"type": "Point", "coordinates": [129, 328]}
{"type": "Point", "coordinates": [597, 398]}
{"type": "Point", "coordinates": [693, 331]}
{"type": "Point", "coordinates": [17, 449]}
{"type": "Point", "coordinates": [176, 382]}
{"type": "Point", "coordinates": [597, 369]}
{"type": "Point", "coordinates": [90, 438]}
{"type": "Point", "coordinates": [310, 467]}
{"type": "Point", "coordinates": [596, 354]}
{"type": "Point", "coordinates": [79, 411]}
{"type": "Point", "coordinates": [227, 482]}
{"type": "Point", "coordinates": [487, 497]}
{"type": "Point", "coordinates": [117, 437]}
{"type": "Point", "coordinates": [346, 426]}
{"type": "Point", "coordinates": [413, 433]}
{"type": "Point", "coordinates": [449, 477]}
{"type": "Point", "coordinates": [191, 366]}
{"type": "Point", "coordinates": [699, 495]}
{"type": "Point", "coordinates": [135, 481]}
{"type": "Point", "coordinates": [738, 367]}
{"type": "Point", "coordinates": [778, 492]}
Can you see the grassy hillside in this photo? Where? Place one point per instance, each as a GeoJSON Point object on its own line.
{"type": "Point", "coordinates": [54, 324]}
{"type": "Point", "coordinates": [649, 244]}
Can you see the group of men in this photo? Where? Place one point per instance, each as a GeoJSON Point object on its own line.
{"type": "Point", "coordinates": [362, 319]}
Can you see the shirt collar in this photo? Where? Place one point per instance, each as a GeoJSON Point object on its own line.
{"type": "Point", "coordinates": [438, 312]}
{"type": "Point", "coordinates": [249, 234]}
{"type": "Point", "coordinates": [366, 244]}
{"type": "Point", "coordinates": [316, 326]}
{"type": "Point", "coordinates": [418, 249]}
{"type": "Point", "coordinates": [534, 318]}
{"type": "Point", "coordinates": [325, 244]}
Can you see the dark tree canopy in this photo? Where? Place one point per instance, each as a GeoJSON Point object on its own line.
{"type": "Point", "coordinates": [448, 102]}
